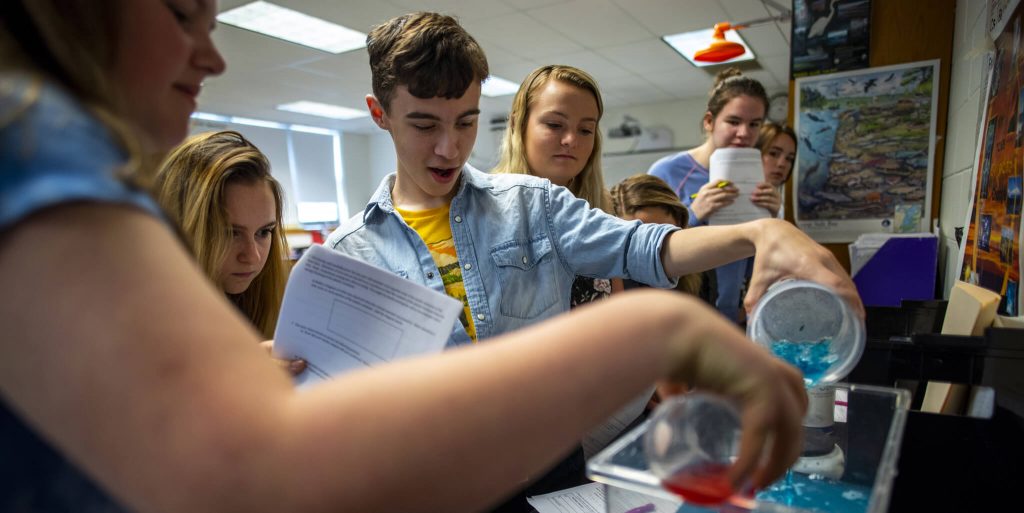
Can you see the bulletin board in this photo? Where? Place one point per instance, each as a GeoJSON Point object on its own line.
{"type": "Point", "coordinates": [990, 254]}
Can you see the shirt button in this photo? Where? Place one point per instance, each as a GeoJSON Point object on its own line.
{"type": "Point", "coordinates": [524, 260]}
{"type": "Point", "coordinates": [480, 316]}
{"type": "Point", "coordinates": [458, 219]}
{"type": "Point", "coordinates": [468, 266]}
{"type": "Point", "coordinates": [430, 275]}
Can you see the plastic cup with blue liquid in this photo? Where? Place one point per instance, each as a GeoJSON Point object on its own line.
{"type": "Point", "coordinates": [810, 327]}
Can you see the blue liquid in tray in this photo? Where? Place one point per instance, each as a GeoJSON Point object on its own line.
{"type": "Point", "coordinates": [812, 358]}
{"type": "Point", "coordinates": [808, 493]}
{"type": "Point", "coordinates": [815, 493]}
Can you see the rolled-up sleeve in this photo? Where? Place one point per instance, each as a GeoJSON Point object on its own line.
{"type": "Point", "coordinates": [593, 243]}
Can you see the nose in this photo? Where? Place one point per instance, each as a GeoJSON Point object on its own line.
{"type": "Point", "coordinates": [249, 252]}
{"type": "Point", "coordinates": [744, 132]}
{"type": "Point", "coordinates": [447, 145]}
{"type": "Point", "coordinates": [569, 139]}
{"type": "Point", "coordinates": [208, 58]}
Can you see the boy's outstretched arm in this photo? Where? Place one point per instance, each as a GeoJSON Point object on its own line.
{"type": "Point", "coordinates": [780, 251]}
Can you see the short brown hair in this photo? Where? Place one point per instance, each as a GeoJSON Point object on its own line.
{"type": "Point", "coordinates": [427, 52]}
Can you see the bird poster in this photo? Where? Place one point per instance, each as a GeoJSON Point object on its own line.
{"type": "Point", "coordinates": [866, 151]}
{"type": "Point", "coordinates": [990, 252]}
{"type": "Point", "coordinates": [829, 36]}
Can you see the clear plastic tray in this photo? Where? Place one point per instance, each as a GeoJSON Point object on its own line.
{"type": "Point", "coordinates": [868, 429]}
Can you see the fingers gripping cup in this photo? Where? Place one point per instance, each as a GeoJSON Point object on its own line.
{"type": "Point", "coordinates": [690, 445]}
{"type": "Point", "coordinates": [811, 327]}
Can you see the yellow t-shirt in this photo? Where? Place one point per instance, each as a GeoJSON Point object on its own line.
{"type": "Point", "coordinates": [436, 231]}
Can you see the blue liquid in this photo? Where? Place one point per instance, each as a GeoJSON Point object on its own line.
{"type": "Point", "coordinates": [804, 492]}
{"type": "Point", "coordinates": [812, 358]}
{"type": "Point", "coordinates": [816, 493]}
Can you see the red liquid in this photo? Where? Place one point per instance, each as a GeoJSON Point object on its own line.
{"type": "Point", "coordinates": [704, 484]}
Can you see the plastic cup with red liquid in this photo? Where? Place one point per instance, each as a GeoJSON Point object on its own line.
{"type": "Point", "coordinates": [691, 443]}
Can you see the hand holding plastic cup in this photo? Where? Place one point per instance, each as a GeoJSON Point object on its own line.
{"type": "Point", "coordinates": [691, 443]}
{"type": "Point", "coordinates": [810, 327]}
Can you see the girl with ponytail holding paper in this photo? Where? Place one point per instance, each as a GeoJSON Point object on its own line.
{"type": "Point", "coordinates": [736, 109]}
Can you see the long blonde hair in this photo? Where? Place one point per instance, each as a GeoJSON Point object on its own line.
{"type": "Point", "coordinates": [190, 186]}
{"type": "Point", "coordinates": [589, 184]}
{"type": "Point", "coordinates": [646, 191]}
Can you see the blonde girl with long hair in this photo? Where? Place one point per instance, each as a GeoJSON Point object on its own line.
{"type": "Point", "coordinates": [553, 132]}
{"type": "Point", "coordinates": [218, 188]}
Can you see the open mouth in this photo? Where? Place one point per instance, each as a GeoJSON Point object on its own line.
{"type": "Point", "coordinates": [188, 90]}
{"type": "Point", "coordinates": [443, 174]}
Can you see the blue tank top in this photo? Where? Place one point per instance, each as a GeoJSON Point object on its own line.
{"type": "Point", "coordinates": [51, 153]}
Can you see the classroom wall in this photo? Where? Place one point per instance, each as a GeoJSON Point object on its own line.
{"type": "Point", "coordinates": [970, 66]}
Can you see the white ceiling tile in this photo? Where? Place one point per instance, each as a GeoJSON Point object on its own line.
{"type": "Point", "coordinates": [682, 83]}
{"type": "Point", "coordinates": [592, 23]}
{"type": "Point", "coordinates": [508, 66]}
{"type": "Point", "coordinates": [533, 4]}
{"type": "Point", "coordinates": [361, 15]}
{"type": "Point", "coordinates": [766, 40]}
{"type": "Point", "coordinates": [520, 35]}
{"type": "Point", "coordinates": [778, 66]}
{"type": "Point", "coordinates": [745, 10]}
{"type": "Point", "coordinates": [664, 17]}
{"type": "Point", "coordinates": [247, 51]}
{"type": "Point", "coordinates": [464, 10]}
{"type": "Point", "coordinates": [349, 67]}
{"type": "Point", "coordinates": [765, 77]}
{"type": "Point", "coordinates": [599, 67]}
{"type": "Point", "coordinates": [645, 56]}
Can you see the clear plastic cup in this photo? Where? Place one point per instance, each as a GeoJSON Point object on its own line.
{"type": "Point", "coordinates": [811, 327]}
{"type": "Point", "coordinates": [691, 442]}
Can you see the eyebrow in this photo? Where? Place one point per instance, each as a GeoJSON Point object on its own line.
{"type": "Point", "coordinates": [732, 116]}
{"type": "Point", "coordinates": [432, 117]}
{"type": "Point", "coordinates": [268, 225]}
{"type": "Point", "coordinates": [594, 120]}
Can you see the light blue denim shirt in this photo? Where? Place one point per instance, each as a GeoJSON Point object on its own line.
{"type": "Point", "coordinates": [521, 241]}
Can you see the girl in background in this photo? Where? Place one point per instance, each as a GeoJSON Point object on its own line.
{"type": "Point", "coordinates": [553, 133]}
{"type": "Point", "coordinates": [649, 199]}
{"type": "Point", "coordinates": [735, 111]}
{"type": "Point", "coordinates": [778, 153]}
{"type": "Point", "coordinates": [218, 188]}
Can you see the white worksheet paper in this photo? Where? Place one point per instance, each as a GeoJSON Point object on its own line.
{"type": "Point", "coordinates": [588, 498]}
{"type": "Point", "coordinates": [592, 498]}
{"type": "Point", "coordinates": [341, 314]}
{"type": "Point", "coordinates": [742, 168]}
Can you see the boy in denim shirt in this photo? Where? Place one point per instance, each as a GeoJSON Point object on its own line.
{"type": "Point", "coordinates": [510, 246]}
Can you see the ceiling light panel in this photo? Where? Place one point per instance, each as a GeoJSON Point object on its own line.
{"type": "Point", "coordinates": [497, 86]}
{"type": "Point", "coordinates": [688, 43]}
{"type": "Point", "coordinates": [293, 26]}
{"type": "Point", "coordinates": [324, 110]}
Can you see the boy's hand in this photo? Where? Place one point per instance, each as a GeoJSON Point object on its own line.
{"type": "Point", "coordinates": [783, 251]}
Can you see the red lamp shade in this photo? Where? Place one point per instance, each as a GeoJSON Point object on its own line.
{"type": "Point", "coordinates": [720, 50]}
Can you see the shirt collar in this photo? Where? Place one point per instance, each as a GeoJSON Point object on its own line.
{"type": "Point", "coordinates": [382, 200]}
